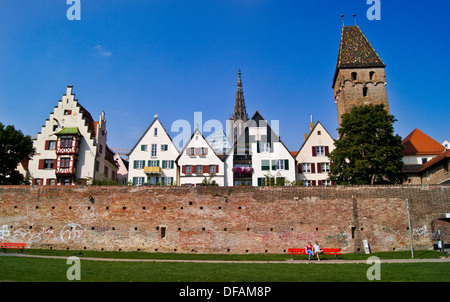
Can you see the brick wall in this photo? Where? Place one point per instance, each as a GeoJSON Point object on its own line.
{"type": "Point", "coordinates": [219, 219]}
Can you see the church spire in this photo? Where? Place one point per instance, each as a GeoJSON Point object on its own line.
{"type": "Point", "coordinates": [240, 112]}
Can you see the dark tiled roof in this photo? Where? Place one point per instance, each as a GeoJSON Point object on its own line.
{"type": "Point", "coordinates": [355, 51]}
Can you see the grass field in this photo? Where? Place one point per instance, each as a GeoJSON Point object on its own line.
{"type": "Point", "coordinates": [23, 269]}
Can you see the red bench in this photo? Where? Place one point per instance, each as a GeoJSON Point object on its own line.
{"type": "Point", "coordinates": [9, 245]}
{"type": "Point", "coordinates": [332, 251]}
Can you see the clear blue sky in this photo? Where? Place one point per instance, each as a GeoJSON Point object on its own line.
{"type": "Point", "coordinates": [135, 59]}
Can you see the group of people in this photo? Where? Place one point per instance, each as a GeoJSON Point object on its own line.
{"type": "Point", "coordinates": [313, 250]}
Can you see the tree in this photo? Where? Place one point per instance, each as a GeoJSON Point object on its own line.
{"type": "Point", "coordinates": [14, 147]}
{"type": "Point", "coordinates": [367, 151]}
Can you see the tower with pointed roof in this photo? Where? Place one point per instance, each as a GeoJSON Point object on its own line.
{"type": "Point", "coordinates": [239, 117]}
{"type": "Point", "coordinates": [359, 78]}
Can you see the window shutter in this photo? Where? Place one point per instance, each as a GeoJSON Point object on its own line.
{"type": "Point", "coordinates": [257, 148]}
{"type": "Point", "coordinates": [41, 164]}
{"type": "Point", "coordinates": [196, 151]}
{"type": "Point", "coordinates": [206, 151]}
{"type": "Point", "coordinates": [205, 169]}
{"type": "Point", "coordinates": [46, 144]}
{"type": "Point", "coordinates": [157, 163]}
{"type": "Point", "coordinates": [320, 182]}
{"type": "Point", "coordinates": [286, 164]}
{"type": "Point", "coordinates": [313, 168]}
{"type": "Point", "coordinates": [142, 148]}
{"type": "Point", "coordinates": [271, 147]}
{"type": "Point", "coordinates": [327, 150]}
{"type": "Point", "coordinates": [134, 180]}
{"type": "Point", "coordinates": [300, 168]}
{"type": "Point", "coordinates": [171, 181]}
{"type": "Point", "coordinates": [217, 168]}
{"type": "Point", "coordinates": [171, 164]}
{"type": "Point", "coordinates": [319, 167]}
{"type": "Point", "coordinates": [183, 169]}
{"type": "Point", "coordinates": [313, 183]}
{"type": "Point", "coordinates": [313, 150]}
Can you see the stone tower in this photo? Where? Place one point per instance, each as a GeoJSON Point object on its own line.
{"type": "Point", "coordinates": [359, 78]}
{"type": "Point", "coordinates": [239, 117]}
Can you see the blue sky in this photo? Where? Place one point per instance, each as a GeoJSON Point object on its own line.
{"type": "Point", "coordinates": [135, 59]}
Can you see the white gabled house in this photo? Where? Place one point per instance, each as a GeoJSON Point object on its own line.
{"type": "Point", "coordinates": [312, 158]}
{"type": "Point", "coordinates": [198, 161]}
{"type": "Point", "coordinates": [152, 159]}
{"type": "Point", "coordinates": [259, 157]}
{"type": "Point", "coordinates": [71, 147]}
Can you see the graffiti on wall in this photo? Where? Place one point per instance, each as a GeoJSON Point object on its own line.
{"type": "Point", "coordinates": [68, 234]}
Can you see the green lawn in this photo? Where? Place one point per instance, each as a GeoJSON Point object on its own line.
{"type": "Point", "coordinates": [15, 268]}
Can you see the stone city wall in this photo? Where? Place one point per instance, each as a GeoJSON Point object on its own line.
{"type": "Point", "coordinates": [219, 219]}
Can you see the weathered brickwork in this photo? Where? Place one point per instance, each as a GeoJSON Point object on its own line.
{"type": "Point", "coordinates": [219, 219]}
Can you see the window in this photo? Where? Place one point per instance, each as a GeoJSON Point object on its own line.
{"type": "Point", "coordinates": [67, 112]}
{"type": "Point", "coordinates": [264, 147]}
{"type": "Point", "coordinates": [167, 164]}
{"type": "Point", "coordinates": [265, 165]}
{"type": "Point", "coordinates": [138, 181]}
{"type": "Point", "coordinates": [55, 127]}
{"type": "Point", "coordinates": [191, 151]}
{"type": "Point", "coordinates": [306, 183]}
{"type": "Point", "coordinates": [154, 149]}
{"type": "Point", "coordinates": [212, 169]}
{"type": "Point", "coordinates": [320, 151]}
{"type": "Point", "coordinates": [188, 169]}
{"type": "Point", "coordinates": [38, 181]}
{"type": "Point", "coordinates": [325, 167]}
{"type": "Point", "coordinates": [66, 143]}
{"type": "Point", "coordinates": [372, 75]}
{"type": "Point", "coordinates": [424, 160]}
{"type": "Point", "coordinates": [326, 183]}
{"type": "Point", "coordinates": [144, 148]}
{"type": "Point", "coordinates": [156, 132]}
{"type": "Point", "coordinates": [50, 145]}
{"type": "Point", "coordinates": [52, 182]}
{"type": "Point", "coordinates": [306, 168]}
{"type": "Point", "coordinates": [139, 164]}
{"type": "Point", "coordinates": [65, 162]}
{"type": "Point", "coordinates": [48, 163]}
{"type": "Point", "coordinates": [199, 169]}
{"type": "Point", "coordinates": [164, 147]}
{"type": "Point", "coordinates": [365, 91]}
{"type": "Point", "coordinates": [168, 181]}
{"type": "Point", "coordinates": [354, 76]}
{"type": "Point", "coordinates": [106, 171]}
{"type": "Point", "coordinates": [279, 164]}
{"type": "Point", "coordinates": [153, 163]}
{"type": "Point", "coordinates": [66, 182]}
{"type": "Point", "coordinates": [202, 151]}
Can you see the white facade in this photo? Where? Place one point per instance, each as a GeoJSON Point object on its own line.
{"type": "Point", "coordinates": [71, 147]}
{"type": "Point", "coordinates": [312, 158]}
{"type": "Point", "coordinates": [260, 151]}
{"type": "Point", "coordinates": [198, 161]}
{"type": "Point", "coordinates": [152, 159]}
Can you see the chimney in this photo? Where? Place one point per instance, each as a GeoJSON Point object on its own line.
{"type": "Point", "coordinates": [311, 125]}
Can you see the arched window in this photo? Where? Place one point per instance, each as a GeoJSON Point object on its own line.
{"type": "Point", "coordinates": [354, 76]}
{"type": "Point", "coordinates": [372, 75]}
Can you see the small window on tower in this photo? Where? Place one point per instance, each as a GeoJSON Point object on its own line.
{"type": "Point", "coordinates": [354, 76]}
{"type": "Point", "coordinates": [365, 91]}
{"type": "Point", "coordinates": [372, 75]}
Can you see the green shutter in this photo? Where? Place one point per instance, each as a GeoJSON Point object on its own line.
{"type": "Point", "coordinates": [157, 163]}
{"type": "Point", "coordinates": [257, 148]}
{"type": "Point", "coordinates": [134, 165]}
{"type": "Point", "coordinates": [163, 164]}
{"type": "Point", "coordinates": [171, 166]}
{"type": "Point", "coordinates": [148, 164]}
{"type": "Point", "coordinates": [134, 181]}
{"type": "Point", "coordinates": [260, 181]}
{"type": "Point", "coordinates": [265, 165]}
{"type": "Point", "coordinates": [286, 164]}
{"type": "Point", "coordinates": [142, 148]}
{"type": "Point", "coordinates": [171, 179]}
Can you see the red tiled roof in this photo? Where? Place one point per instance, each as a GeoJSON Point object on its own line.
{"type": "Point", "coordinates": [418, 143]}
{"type": "Point", "coordinates": [435, 160]}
